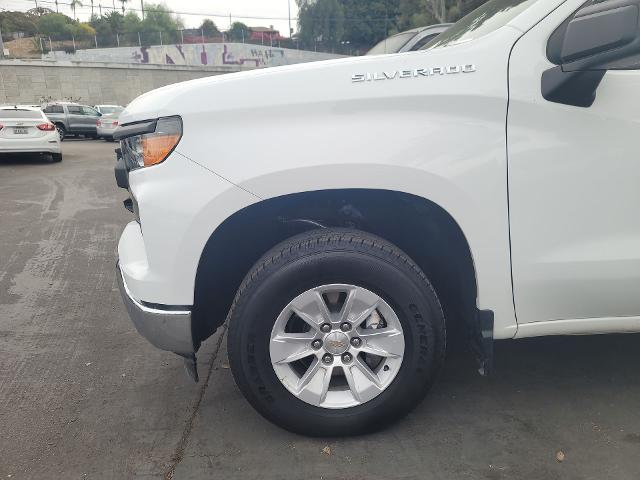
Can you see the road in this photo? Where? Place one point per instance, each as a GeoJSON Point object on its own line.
{"type": "Point", "coordinates": [82, 395]}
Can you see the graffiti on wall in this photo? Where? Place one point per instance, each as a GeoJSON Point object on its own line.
{"type": "Point", "coordinates": [214, 54]}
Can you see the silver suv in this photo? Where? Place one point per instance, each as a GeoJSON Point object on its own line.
{"type": "Point", "coordinates": [73, 119]}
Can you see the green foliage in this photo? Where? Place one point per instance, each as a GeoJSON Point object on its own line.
{"type": "Point", "coordinates": [54, 24]}
{"type": "Point", "coordinates": [363, 23]}
{"type": "Point", "coordinates": [131, 22]}
{"type": "Point", "coordinates": [79, 30]}
{"type": "Point", "coordinates": [115, 21]}
{"type": "Point", "coordinates": [157, 17]}
{"type": "Point", "coordinates": [369, 21]}
{"type": "Point", "coordinates": [209, 29]}
{"type": "Point", "coordinates": [239, 32]}
{"type": "Point", "coordinates": [18, 22]}
{"type": "Point", "coordinates": [322, 21]}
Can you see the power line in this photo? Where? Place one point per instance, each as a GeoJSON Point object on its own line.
{"type": "Point", "coordinates": [176, 12]}
{"type": "Point", "coordinates": [218, 15]}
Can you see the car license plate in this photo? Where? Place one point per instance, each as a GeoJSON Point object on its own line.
{"type": "Point", "coordinates": [20, 131]}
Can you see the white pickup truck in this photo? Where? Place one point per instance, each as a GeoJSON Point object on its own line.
{"type": "Point", "coordinates": [340, 215]}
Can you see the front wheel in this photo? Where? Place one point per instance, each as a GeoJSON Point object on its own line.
{"type": "Point", "coordinates": [335, 332]}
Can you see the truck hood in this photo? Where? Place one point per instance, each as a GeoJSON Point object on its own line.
{"type": "Point", "coordinates": [333, 81]}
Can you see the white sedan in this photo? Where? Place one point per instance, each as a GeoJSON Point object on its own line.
{"type": "Point", "coordinates": [28, 130]}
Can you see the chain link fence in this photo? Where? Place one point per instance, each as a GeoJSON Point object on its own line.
{"type": "Point", "coordinates": [18, 45]}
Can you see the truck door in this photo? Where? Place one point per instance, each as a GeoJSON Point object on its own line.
{"type": "Point", "coordinates": [574, 169]}
{"type": "Point", "coordinates": [76, 118]}
{"type": "Point", "coordinates": [91, 116]}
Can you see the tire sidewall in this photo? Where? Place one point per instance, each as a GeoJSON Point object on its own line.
{"type": "Point", "coordinates": [399, 285]}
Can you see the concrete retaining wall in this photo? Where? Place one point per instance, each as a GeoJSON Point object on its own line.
{"type": "Point", "coordinates": [35, 82]}
{"type": "Point", "coordinates": [207, 54]}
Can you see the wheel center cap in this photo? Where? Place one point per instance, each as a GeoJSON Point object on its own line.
{"type": "Point", "coordinates": [336, 343]}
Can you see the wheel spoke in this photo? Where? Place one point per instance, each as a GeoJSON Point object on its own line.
{"type": "Point", "coordinates": [311, 308]}
{"type": "Point", "coordinates": [351, 381]}
{"type": "Point", "coordinates": [311, 372]}
{"type": "Point", "coordinates": [358, 306]}
{"type": "Point", "coordinates": [290, 347]}
{"type": "Point", "coordinates": [314, 384]}
{"type": "Point", "coordinates": [368, 374]}
{"type": "Point", "coordinates": [383, 342]}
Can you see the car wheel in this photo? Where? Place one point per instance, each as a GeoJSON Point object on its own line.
{"type": "Point", "coordinates": [61, 131]}
{"type": "Point", "coordinates": [56, 157]}
{"type": "Point", "coordinates": [335, 332]}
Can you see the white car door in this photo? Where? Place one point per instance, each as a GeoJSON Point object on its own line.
{"type": "Point", "coordinates": [574, 180]}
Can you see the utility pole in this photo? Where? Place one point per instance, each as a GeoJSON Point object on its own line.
{"type": "Point", "coordinates": [290, 29]}
{"type": "Point", "coordinates": [142, 8]}
{"type": "Point", "coordinates": [1, 46]}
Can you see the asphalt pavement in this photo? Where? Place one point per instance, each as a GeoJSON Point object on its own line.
{"type": "Point", "coordinates": [82, 395]}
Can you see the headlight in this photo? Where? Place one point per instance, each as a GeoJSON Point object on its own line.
{"type": "Point", "coordinates": [152, 148]}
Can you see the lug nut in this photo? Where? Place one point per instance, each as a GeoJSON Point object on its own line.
{"type": "Point", "coordinates": [325, 327]}
{"type": "Point", "coordinates": [317, 344]}
{"type": "Point", "coordinates": [346, 358]}
{"type": "Point", "coordinates": [327, 358]}
{"type": "Point", "coordinates": [356, 342]}
{"type": "Point", "coordinates": [345, 327]}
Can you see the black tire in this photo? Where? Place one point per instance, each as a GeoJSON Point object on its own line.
{"type": "Point", "coordinates": [325, 257]}
{"type": "Point", "coordinates": [56, 157]}
{"type": "Point", "coordinates": [61, 131]}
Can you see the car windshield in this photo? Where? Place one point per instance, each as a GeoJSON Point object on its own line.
{"type": "Point", "coordinates": [18, 113]}
{"type": "Point", "coordinates": [392, 44]}
{"type": "Point", "coordinates": [111, 110]}
{"type": "Point", "coordinates": [483, 20]}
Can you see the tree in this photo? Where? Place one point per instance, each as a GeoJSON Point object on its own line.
{"type": "Point", "coordinates": [209, 29]}
{"type": "Point", "coordinates": [115, 21]}
{"type": "Point", "coordinates": [79, 30]}
{"type": "Point", "coordinates": [74, 4]}
{"type": "Point", "coordinates": [123, 2]}
{"type": "Point", "coordinates": [321, 21]}
{"type": "Point", "coordinates": [159, 18]}
{"type": "Point", "coordinates": [369, 21]}
{"type": "Point", "coordinates": [54, 24]}
{"type": "Point", "coordinates": [131, 23]}
{"type": "Point", "coordinates": [239, 32]}
{"type": "Point", "coordinates": [18, 22]}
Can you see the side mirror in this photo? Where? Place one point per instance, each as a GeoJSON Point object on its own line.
{"type": "Point", "coordinates": [604, 36]}
{"type": "Point", "coordinates": [597, 38]}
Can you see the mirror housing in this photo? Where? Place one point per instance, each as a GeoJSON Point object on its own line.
{"type": "Point", "coordinates": [597, 38]}
{"type": "Point", "coordinates": [604, 36]}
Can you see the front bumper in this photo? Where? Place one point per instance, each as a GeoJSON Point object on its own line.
{"type": "Point", "coordinates": [165, 329]}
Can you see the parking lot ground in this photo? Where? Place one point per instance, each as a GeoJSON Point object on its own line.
{"type": "Point", "coordinates": [82, 395]}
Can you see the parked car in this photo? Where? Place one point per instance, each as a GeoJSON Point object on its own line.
{"type": "Point", "coordinates": [107, 124]}
{"type": "Point", "coordinates": [489, 181]}
{"type": "Point", "coordinates": [73, 119]}
{"type": "Point", "coordinates": [410, 40]}
{"type": "Point", "coordinates": [28, 130]}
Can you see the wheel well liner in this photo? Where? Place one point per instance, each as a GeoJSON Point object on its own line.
{"type": "Point", "coordinates": [425, 231]}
